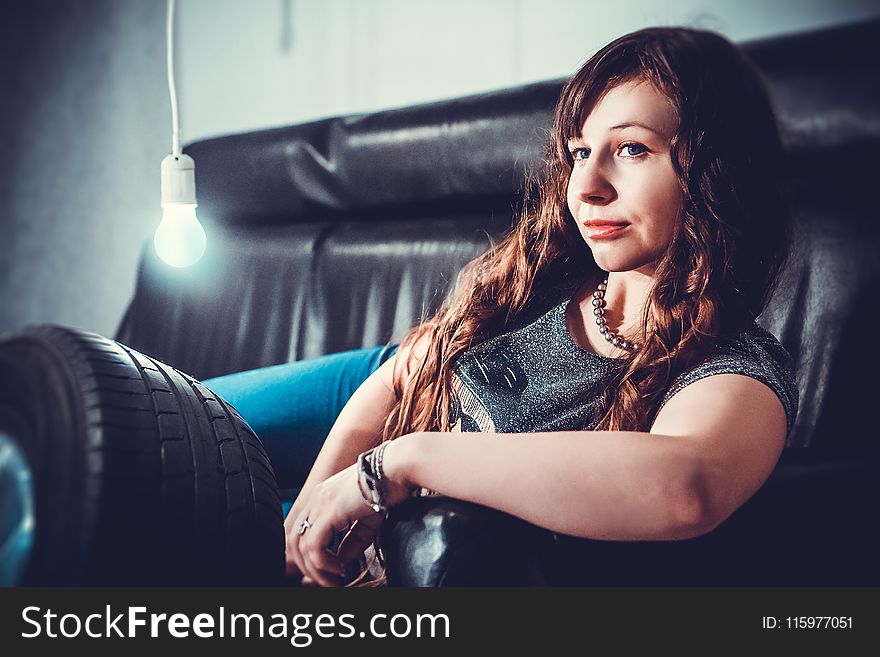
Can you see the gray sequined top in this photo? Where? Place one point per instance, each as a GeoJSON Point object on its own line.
{"type": "Point", "coordinates": [537, 378]}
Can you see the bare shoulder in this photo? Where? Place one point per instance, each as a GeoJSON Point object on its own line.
{"type": "Point", "coordinates": [722, 404]}
{"type": "Point", "coordinates": [406, 356]}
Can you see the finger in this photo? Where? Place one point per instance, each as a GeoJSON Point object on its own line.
{"type": "Point", "coordinates": [292, 551]}
{"type": "Point", "coordinates": [292, 558]}
{"type": "Point", "coordinates": [308, 569]}
{"type": "Point", "coordinates": [358, 538]}
{"type": "Point", "coordinates": [323, 566]}
{"type": "Point", "coordinates": [293, 580]}
{"type": "Point", "coordinates": [324, 578]}
{"type": "Point", "coordinates": [321, 563]}
{"type": "Point", "coordinates": [308, 582]}
{"type": "Point", "coordinates": [319, 536]}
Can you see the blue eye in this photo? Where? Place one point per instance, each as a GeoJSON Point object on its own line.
{"type": "Point", "coordinates": [580, 153]}
{"type": "Point", "coordinates": [633, 149]}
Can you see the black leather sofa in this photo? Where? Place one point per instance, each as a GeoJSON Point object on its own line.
{"type": "Point", "coordinates": [342, 233]}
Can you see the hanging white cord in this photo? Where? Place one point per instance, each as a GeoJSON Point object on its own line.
{"type": "Point", "coordinates": [169, 48]}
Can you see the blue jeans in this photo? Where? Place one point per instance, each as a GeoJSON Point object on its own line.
{"type": "Point", "coordinates": [292, 407]}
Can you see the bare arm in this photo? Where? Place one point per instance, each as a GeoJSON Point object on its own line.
{"type": "Point", "coordinates": [360, 423]}
{"type": "Point", "coordinates": [357, 428]}
{"type": "Point", "coordinates": [709, 450]}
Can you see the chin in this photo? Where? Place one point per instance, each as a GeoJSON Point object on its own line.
{"type": "Point", "coordinates": [616, 263]}
{"type": "Point", "coordinates": [619, 260]}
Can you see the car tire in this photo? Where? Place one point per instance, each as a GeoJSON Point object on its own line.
{"type": "Point", "coordinates": [140, 475]}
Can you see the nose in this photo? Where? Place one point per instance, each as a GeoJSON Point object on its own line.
{"type": "Point", "coordinates": [590, 184]}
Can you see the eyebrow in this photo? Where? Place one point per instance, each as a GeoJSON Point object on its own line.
{"type": "Point", "coordinates": [636, 124]}
{"type": "Point", "coordinates": [628, 124]}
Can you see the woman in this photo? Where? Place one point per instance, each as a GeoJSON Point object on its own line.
{"type": "Point", "coordinates": [603, 357]}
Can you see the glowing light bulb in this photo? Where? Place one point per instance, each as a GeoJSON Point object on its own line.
{"type": "Point", "coordinates": [180, 240]}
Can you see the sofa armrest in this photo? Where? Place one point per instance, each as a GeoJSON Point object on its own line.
{"type": "Point", "coordinates": [442, 541]}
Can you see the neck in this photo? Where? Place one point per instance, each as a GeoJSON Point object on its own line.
{"type": "Point", "coordinates": [625, 301]}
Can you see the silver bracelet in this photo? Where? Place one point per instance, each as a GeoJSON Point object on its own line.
{"type": "Point", "coordinates": [368, 481]}
{"type": "Point", "coordinates": [378, 455]}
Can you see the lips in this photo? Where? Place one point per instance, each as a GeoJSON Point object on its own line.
{"type": "Point", "coordinates": [601, 228]}
{"type": "Point", "coordinates": [596, 223]}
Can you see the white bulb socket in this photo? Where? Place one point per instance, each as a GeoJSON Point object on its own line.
{"type": "Point", "coordinates": [178, 180]}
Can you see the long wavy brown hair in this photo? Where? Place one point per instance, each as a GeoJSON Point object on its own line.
{"type": "Point", "coordinates": [718, 272]}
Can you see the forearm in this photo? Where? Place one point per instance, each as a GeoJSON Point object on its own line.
{"type": "Point", "coordinates": [606, 485]}
{"type": "Point", "coordinates": [358, 427]}
{"type": "Point", "coordinates": [340, 450]}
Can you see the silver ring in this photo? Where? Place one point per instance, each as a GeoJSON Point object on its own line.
{"type": "Point", "coordinates": [303, 526]}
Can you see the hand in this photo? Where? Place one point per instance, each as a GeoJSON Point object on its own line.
{"type": "Point", "coordinates": [332, 506]}
{"type": "Point", "coordinates": [295, 566]}
{"type": "Point", "coordinates": [355, 542]}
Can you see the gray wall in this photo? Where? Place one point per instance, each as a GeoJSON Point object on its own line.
{"type": "Point", "coordinates": [86, 118]}
{"type": "Point", "coordinates": [245, 65]}
{"type": "Point", "coordinates": [84, 126]}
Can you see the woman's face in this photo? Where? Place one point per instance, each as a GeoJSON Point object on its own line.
{"type": "Point", "coordinates": [623, 191]}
